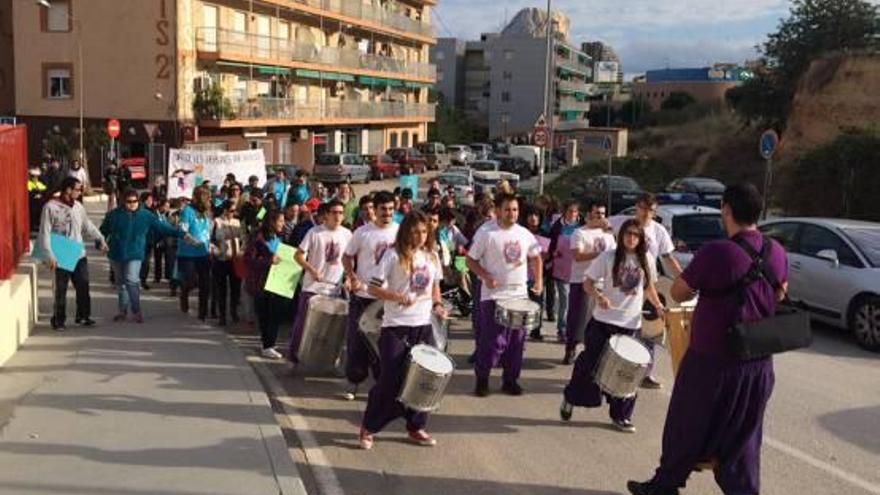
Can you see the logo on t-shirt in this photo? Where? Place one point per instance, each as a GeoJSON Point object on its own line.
{"type": "Point", "coordinates": [332, 253]}
{"type": "Point", "coordinates": [600, 245]}
{"type": "Point", "coordinates": [630, 277]}
{"type": "Point", "coordinates": [420, 279]}
{"type": "Point", "coordinates": [379, 250]}
{"type": "Point", "coordinates": [512, 252]}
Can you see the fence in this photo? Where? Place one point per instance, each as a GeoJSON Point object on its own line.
{"type": "Point", "coordinates": [14, 215]}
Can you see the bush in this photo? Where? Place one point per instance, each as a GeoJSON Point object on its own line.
{"type": "Point", "coordinates": [839, 179]}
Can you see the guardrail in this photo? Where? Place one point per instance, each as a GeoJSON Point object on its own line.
{"type": "Point", "coordinates": [572, 104]}
{"type": "Point", "coordinates": [292, 109]}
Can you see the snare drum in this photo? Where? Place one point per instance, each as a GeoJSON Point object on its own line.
{"type": "Point", "coordinates": [427, 376]}
{"type": "Point", "coordinates": [323, 333]}
{"type": "Point", "coordinates": [623, 365]}
{"type": "Point", "coordinates": [370, 325]}
{"type": "Point", "coordinates": [518, 313]}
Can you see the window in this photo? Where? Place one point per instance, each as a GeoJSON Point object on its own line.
{"type": "Point", "coordinates": [815, 239]}
{"type": "Point", "coordinates": [508, 54]}
{"type": "Point", "coordinates": [505, 96]}
{"type": "Point", "coordinates": [783, 233]}
{"type": "Point", "coordinates": [57, 18]}
{"type": "Point", "coordinates": [57, 81]}
{"type": "Point", "coordinates": [284, 30]}
{"type": "Point", "coordinates": [239, 22]}
{"type": "Point", "coordinates": [393, 139]}
{"type": "Point", "coordinates": [404, 139]}
{"type": "Point", "coordinates": [440, 55]}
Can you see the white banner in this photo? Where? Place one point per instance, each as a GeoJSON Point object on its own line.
{"type": "Point", "coordinates": [188, 169]}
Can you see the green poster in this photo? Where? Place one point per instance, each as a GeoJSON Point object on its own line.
{"type": "Point", "coordinates": [284, 276]}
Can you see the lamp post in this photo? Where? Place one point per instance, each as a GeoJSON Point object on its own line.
{"type": "Point", "coordinates": [82, 76]}
{"type": "Point", "coordinates": [547, 88]}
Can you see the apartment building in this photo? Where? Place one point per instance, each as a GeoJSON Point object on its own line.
{"type": "Point", "coordinates": [503, 77]}
{"type": "Point", "coordinates": [291, 77]}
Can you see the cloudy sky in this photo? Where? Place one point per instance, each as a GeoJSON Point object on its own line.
{"type": "Point", "coordinates": [647, 34]}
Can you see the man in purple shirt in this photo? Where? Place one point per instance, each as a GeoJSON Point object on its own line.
{"type": "Point", "coordinates": [717, 408]}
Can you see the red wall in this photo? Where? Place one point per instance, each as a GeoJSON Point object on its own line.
{"type": "Point", "coordinates": [14, 233]}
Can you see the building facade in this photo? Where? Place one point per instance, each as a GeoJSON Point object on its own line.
{"type": "Point", "coordinates": [707, 85]}
{"type": "Point", "coordinates": [503, 78]}
{"type": "Point", "coordinates": [294, 78]}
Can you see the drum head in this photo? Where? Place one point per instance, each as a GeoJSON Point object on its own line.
{"type": "Point", "coordinates": [431, 359]}
{"type": "Point", "coordinates": [630, 349]}
{"type": "Point", "coordinates": [523, 305]}
{"type": "Point", "coordinates": [371, 320]}
{"type": "Point", "coordinates": [329, 305]}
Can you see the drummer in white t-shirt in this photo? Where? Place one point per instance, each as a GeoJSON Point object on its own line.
{"type": "Point", "coordinates": [362, 261]}
{"type": "Point", "coordinates": [408, 281]}
{"type": "Point", "coordinates": [320, 255]}
{"type": "Point", "coordinates": [660, 247]}
{"type": "Point", "coordinates": [587, 243]}
{"type": "Point", "coordinates": [629, 277]}
{"type": "Point", "coordinates": [500, 255]}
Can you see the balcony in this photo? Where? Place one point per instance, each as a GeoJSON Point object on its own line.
{"type": "Point", "coordinates": [568, 104]}
{"type": "Point", "coordinates": [234, 45]}
{"type": "Point", "coordinates": [572, 86]}
{"type": "Point", "coordinates": [372, 13]}
{"type": "Point", "coordinates": [573, 65]}
{"type": "Point", "coordinates": [289, 111]}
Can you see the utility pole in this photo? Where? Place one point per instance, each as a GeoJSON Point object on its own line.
{"type": "Point", "coordinates": [547, 88]}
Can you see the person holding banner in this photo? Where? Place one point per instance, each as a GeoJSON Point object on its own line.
{"type": "Point", "coordinates": [62, 225]}
{"type": "Point", "coordinates": [320, 255]}
{"type": "Point", "coordinates": [260, 256]}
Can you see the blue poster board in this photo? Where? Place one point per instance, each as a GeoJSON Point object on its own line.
{"type": "Point", "coordinates": [67, 252]}
{"type": "Point", "coordinates": [410, 182]}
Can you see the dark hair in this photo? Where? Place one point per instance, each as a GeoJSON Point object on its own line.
{"type": "Point", "coordinates": [230, 176]}
{"type": "Point", "coordinates": [253, 178]}
{"type": "Point", "coordinates": [620, 252]}
{"type": "Point", "coordinates": [256, 193]}
{"type": "Point", "coordinates": [647, 199]}
{"type": "Point", "coordinates": [397, 191]}
{"type": "Point", "coordinates": [382, 198]}
{"type": "Point", "coordinates": [225, 206]}
{"type": "Point", "coordinates": [434, 192]}
{"type": "Point", "coordinates": [334, 202]}
{"type": "Point", "coordinates": [365, 200]}
{"type": "Point", "coordinates": [594, 203]}
{"type": "Point", "coordinates": [447, 214]}
{"type": "Point", "coordinates": [323, 209]}
{"type": "Point", "coordinates": [745, 202]}
{"type": "Point", "coordinates": [144, 196]}
{"type": "Point", "coordinates": [502, 198]}
{"type": "Point", "coordinates": [68, 183]}
{"type": "Point", "coordinates": [406, 193]}
{"type": "Point", "coordinates": [431, 211]}
{"type": "Point", "coordinates": [130, 193]}
{"type": "Point", "coordinates": [267, 228]}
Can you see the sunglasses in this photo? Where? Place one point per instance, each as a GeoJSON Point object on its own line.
{"type": "Point", "coordinates": [131, 201]}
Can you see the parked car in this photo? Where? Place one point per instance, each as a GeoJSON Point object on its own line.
{"type": "Point", "coordinates": [381, 166]}
{"type": "Point", "coordinates": [531, 154]}
{"type": "Point", "coordinates": [462, 184]}
{"type": "Point", "coordinates": [709, 191]}
{"type": "Point", "coordinates": [488, 181]}
{"type": "Point", "coordinates": [466, 171]}
{"type": "Point", "coordinates": [410, 160]}
{"type": "Point", "coordinates": [689, 226]}
{"type": "Point", "coordinates": [624, 191]}
{"type": "Point", "coordinates": [514, 165]}
{"type": "Point", "coordinates": [834, 271]}
{"type": "Point", "coordinates": [334, 168]}
{"type": "Point", "coordinates": [486, 165]}
{"type": "Point", "coordinates": [435, 154]}
{"type": "Point", "coordinates": [460, 154]}
{"type": "Point", "coordinates": [482, 151]}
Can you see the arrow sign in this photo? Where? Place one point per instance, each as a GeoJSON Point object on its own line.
{"type": "Point", "coordinates": [768, 144]}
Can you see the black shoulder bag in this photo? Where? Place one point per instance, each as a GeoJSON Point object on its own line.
{"type": "Point", "coordinates": [788, 329]}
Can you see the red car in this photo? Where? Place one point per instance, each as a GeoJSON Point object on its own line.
{"type": "Point", "coordinates": [410, 160]}
{"type": "Point", "coordinates": [137, 166]}
{"type": "Point", "coordinates": [382, 166]}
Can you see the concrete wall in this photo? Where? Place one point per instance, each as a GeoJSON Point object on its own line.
{"type": "Point", "coordinates": [654, 94]}
{"type": "Point", "coordinates": [18, 299]}
{"type": "Point", "coordinates": [7, 62]}
{"type": "Point", "coordinates": [128, 51]}
{"type": "Point", "coordinates": [524, 60]}
{"type": "Point", "coordinates": [450, 69]}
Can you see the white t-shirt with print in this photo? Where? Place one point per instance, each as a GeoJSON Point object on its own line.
{"type": "Point", "coordinates": [368, 244]}
{"type": "Point", "coordinates": [323, 248]}
{"type": "Point", "coordinates": [656, 235]}
{"type": "Point", "coordinates": [504, 254]}
{"type": "Point", "coordinates": [588, 241]}
{"type": "Point", "coordinates": [627, 297]}
{"type": "Point", "coordinates": [418, 285]}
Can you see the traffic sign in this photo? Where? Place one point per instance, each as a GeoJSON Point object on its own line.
{"type": "Point", "coordinates": [768, 144]}
{"type": "Point", "coordinates": [540, 137]}
{"type": "Point", "coordinates": [541, 123]}
{"type": "Point", "coordinates": [607, 143]}
{"type": "Point", "coordinates": [113, 128]}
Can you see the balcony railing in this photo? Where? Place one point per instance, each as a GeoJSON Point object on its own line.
{"type": "Point", "coordinates": [249, 45]}
{"type": "Point", "coordinates": [292, 109]}
{"type": "Point", "coordinates": [569, 125]}
{"type": "Point", "coordinates": [574, 66]}
{"type": "Point", "coordinates": [572, 86]}
{"type": "Point", "coordinates": [573, 105]}
{"type": "Point", "coordinates": [373, 12]}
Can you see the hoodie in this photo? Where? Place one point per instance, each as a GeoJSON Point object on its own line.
{"type": "Point", "coordinates": [71, 221]}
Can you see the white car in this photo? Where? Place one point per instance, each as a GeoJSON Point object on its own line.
{"type": "Point", "coordinates": [460, 154]}
{"type": "Point", "coordinates": [834, 271]}
{"type": "Point", "coordinates": [462, 184]}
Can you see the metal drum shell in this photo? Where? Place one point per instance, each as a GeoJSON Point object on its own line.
{"type": "Point", "coordinates": [323, 334]}
{"type": "Point", "coordinates": [617, 376]}
{"type": "Point", "coordinates": [423, 389]}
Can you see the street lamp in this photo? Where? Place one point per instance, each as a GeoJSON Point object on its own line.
{"type": "Point", "coordinates": [547, 89]}
{"type": "Point", "coordinates": [82, 76]}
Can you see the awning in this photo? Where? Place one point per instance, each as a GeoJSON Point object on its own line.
{"type": "Point", "coordinates": [262, 69]}
{"type": "Point", "coordinates": [274, 70]}
{"type": "Point", "coordinates": [379, 81]}
{"type": "Point", "coordinates": [312, 74]}
{"type": "Point", "coordinates": [330, 76]}
{"type": "Point", "coordinates": [418, 85]}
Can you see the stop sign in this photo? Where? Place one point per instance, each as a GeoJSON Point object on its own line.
{"type": "Point", "coordinates": [113, 128]}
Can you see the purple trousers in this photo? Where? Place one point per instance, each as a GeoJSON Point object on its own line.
{"type": "Point", "coordinates": [477, 284]}
{"type": "Point", "coordinates": [498, 345]}
{"type": "Point", "coordinates": [576, 320]}
{"type": "Point", "coordinates": [717, 412]}
{"type": "Point", "coordinates": [359, 359]}
{"type": "Point", "coordinates": [582, 390]}
{"type": "Point", "coordinates": [382, 404]}
{"type": "Point", "coordinates": [299, 324]}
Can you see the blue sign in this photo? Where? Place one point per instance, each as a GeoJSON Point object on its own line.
{"type": "Point", "coordinates": [606, 143]}
{"type": "Point", "coordinates": [769, 143]}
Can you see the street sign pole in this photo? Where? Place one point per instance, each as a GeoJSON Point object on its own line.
{"type": "Point", "coordinates": [768, 179]}
{"type": "Point", "coordinates": [607, 145]}
{"type": "Point", "coordinates": [767, 147]}
{"type": "Point", "coordinates": [540, 138]}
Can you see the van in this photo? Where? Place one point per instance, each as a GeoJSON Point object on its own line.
{"type": "Point", "coordinates": [435, 154]}
{"type": "Point", "coordinates": [531, 154]}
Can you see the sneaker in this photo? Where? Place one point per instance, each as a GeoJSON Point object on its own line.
{"type": "Point", "coordinates": [482, 388]}
{"type": "Point", "coordinates": [137, 317]}
{"type": "Point", "coordinates": [648, 488]}
{"type": "Point", "coordinates": [422, 438]}
{"type": "Point", "coordinates": [624, 425]}
{"type": "Point", "coordinates": [569, 354]}
{"type": "Point", "coordinates": [565, 410]}
{"type": "Point", "coordinates": [86, 322]}
{"type": "Point", "coordinates": [120, 317]}
{"type": "Point", "coordinates": [351, 394]}
{"type": "Point", "coordinates": [652, 383]}
{"type": "Point", "coordinates": [536, 336]}
{"type": "Point", "coordinates": [57, 325]}
{"type": "Point", "coordinates": [366, 439]}
{"type": "Point", "coordinates": [512, 388]}
{"type": "Point", "coordinates": [271, 353]}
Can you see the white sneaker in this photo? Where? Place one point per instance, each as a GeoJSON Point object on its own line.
{"type": "Point", "coordinates": [271, 353]}
{"type": "Point", "coordinates": [351, 394]}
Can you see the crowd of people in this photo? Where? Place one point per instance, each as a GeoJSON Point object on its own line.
{"type": "Point", "coordinates": [588, 274]}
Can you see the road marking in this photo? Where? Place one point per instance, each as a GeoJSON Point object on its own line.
{"type": "Point", "coordinates": [325, 477]}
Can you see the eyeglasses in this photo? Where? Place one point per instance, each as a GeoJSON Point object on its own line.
{"type": "Point", "coordinates": [131, 201]}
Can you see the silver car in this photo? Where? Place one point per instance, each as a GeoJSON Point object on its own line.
{"type": "Point", "coordinates": [462, 184]}
{"type": "Point", "coordinates": [834, 271]}
{"type": "Point", "coordinates": [335, 168]}
{"type": "Point", "coordinates": [459, 154]}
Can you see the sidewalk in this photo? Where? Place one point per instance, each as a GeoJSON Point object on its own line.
{"type": "Point", "coordinates": [166, 407]}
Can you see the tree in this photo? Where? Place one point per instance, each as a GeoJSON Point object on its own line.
{"type": "Point", "coordinates": [677, 100]}
{"type": "Point", "coordinates": [814, 27]}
